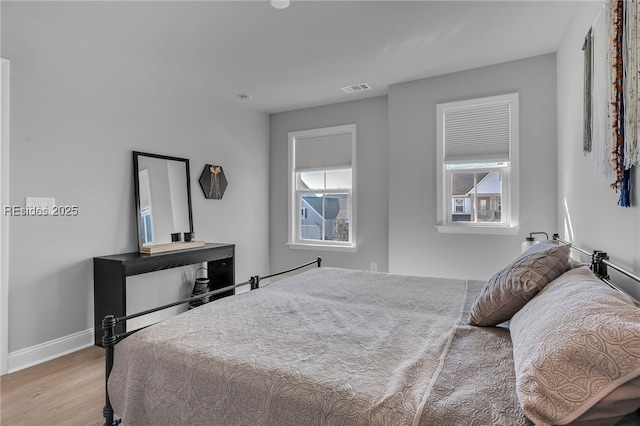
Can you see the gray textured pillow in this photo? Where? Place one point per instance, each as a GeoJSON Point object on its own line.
{"type": "Point", "coordinates": [574, 344]}
{"type": "Point", "coordinates": [511, 288]}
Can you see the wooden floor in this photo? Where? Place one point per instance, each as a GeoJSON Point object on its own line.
{"type": "Point", "coordinates": [65, 391]}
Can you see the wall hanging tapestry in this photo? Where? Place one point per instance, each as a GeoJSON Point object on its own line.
{"type": "Point", "coordinates": [611, 50]}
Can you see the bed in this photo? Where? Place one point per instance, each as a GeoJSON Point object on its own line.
{"type": "Point", "coordinates": [333, 346]}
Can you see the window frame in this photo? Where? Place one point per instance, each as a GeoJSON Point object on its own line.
{"type": "Point", "coordinates": [295, 241]}
{"type": "Point", "coordinates": [504, 196]}
{"type": "Point", "coordinates": [510, 175]}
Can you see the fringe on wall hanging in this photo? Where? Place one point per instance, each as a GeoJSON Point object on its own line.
{"type": "Point", "coordinates": [601, 98]}
{"type": "Point", "coordinates": [611, 125]}
{"type": "Point", "coordinates": [587, 48]}
{"type": "Point", "coordinates": [630, 59]}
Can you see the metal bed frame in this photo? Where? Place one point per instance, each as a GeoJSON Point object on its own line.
{"type": "Point", "coordinates": [110, 338]}
{"type": "Point", "coordinates": [599, 263]}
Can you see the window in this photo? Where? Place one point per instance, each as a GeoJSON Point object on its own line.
{"type": "Point", "coordinates": [146, 221]}
{"type": "Point", "coordinates": [322, 188]}
{"type": "Point", "coordinates": [478, 165]}
{"type": "Point", "coordinates": [459, 205]}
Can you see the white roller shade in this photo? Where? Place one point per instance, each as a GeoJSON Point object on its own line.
{"type": "Point", "coordinates": [477, 133]}
{"type": "Point", "coordinates": [323, 152]}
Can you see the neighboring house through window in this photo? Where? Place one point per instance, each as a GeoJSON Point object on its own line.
{"type": "Point", "coordinates": [322, 188]}
{"type": "Point", "coordinates": [478, 165]}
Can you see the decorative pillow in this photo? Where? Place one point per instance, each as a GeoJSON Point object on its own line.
{"type": "Point", "coordinates": [574, 344]}
{"type": "Point", "coordinates": [511, 288]}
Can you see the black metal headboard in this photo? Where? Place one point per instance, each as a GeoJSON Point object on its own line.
{"type": "Point", "coordinates": [599, 265]}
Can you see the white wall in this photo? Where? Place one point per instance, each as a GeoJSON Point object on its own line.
{"type": "Point", "coordinates": [370, 116]}
{"type": "Point", "coordinates": [76, 117]}
{"type": "Point", "coordinates": [415, 246]}
{"type": "Point", "coordinates": [588, 213]}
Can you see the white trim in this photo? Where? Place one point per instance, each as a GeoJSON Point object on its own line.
{"type": "Point", "coordinates": [38, 354]}
{"type": "Point", "coordinates": [293, 240]}
{"type": "Point", "coordinates": [4, 220]}
{"type": "Point", "coordinates": [478, 229]}
{"type": "Point", "coordinates": [326, 247]}
{"type": "Point", "coordinates": [511, 197]}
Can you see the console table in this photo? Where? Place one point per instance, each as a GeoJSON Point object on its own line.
{"type": "Point", "coordinates": [110, 276]}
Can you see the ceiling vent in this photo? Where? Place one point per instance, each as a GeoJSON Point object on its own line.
{"type": "Point", "coordinates": [356, 88]}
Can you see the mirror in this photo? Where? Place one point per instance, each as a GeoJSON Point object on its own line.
{"type": "Point", "coordinates": [163, 200]}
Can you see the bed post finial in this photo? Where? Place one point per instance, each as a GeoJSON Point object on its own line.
{"type": "Point", "coordinates": [255, 282]}
{"type": "Point", "coordinates": [108, 341]}
{"type": "Point", "coordinates": [597, 265]}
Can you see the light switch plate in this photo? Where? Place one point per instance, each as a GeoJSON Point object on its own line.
{"type": "Point", "coordinates": [40, 202]}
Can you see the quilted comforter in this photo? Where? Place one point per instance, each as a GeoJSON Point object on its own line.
{"type": "Point", "coordinates": [326, 347]}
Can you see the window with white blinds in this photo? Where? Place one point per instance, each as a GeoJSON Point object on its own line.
{"type": "Point", "coordinates": [322, 188]}
{"type": "Point", "coordinates": [478, 165]}
{"type": "Point", "coordinates": [477, 133]}
{"type": "Point", "coordinates": [323, 152]}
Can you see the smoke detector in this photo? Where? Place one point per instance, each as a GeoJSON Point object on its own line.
{"type": "Point", "coordinates": [356, 88]}
{"type": "Point", "coordinates": [279, 4]}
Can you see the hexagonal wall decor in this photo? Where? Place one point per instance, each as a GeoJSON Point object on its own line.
{"type": "Point", "coordinates": [213, 182]}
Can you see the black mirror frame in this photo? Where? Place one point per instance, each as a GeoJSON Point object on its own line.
{"type": "Point", "coordinates": [136, 185]}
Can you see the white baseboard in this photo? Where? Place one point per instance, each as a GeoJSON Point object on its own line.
{"type": "Point", "coordinates": [46, 351]}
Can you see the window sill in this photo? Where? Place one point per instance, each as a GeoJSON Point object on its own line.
{"type": "Point", "coordinates": [300, 246]}
{"type": "Point", "coordinates": [478, 229]}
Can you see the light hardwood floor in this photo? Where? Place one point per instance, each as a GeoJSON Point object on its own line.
{"type": "Point", "coordinates": [65, 391]}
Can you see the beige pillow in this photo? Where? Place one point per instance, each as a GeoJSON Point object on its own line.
{"type": "Point", "coordinates": [574, 344]}
{"type": "Point", "coordinates": [511, 288]}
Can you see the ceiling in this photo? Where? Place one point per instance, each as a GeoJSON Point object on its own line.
{"type": "Point", "coordinates": [301, 56]}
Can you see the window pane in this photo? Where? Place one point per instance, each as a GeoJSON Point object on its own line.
{"type": "Point", "coordinates": [311, 219]}
{"type": "Point", "coordinates": [146, 228]}
{"type": "Point", "coordinates": [324, 217]}
{"type": "Point", "coordinates": [311, 180]}
{"type": "Point", "coordinates": [337, 217]}
{"type": "Point", "coordinates": [462, 185]}
{"type": "Point", "coordinates": [476, 197]}
{"type": "Point", "coordinates": [339, 179]}
{"type": "Point", "coordinates": [489, 190]}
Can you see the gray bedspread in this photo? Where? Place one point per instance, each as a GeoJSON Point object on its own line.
{"type": "Point", "coordinates": [326, 347]}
